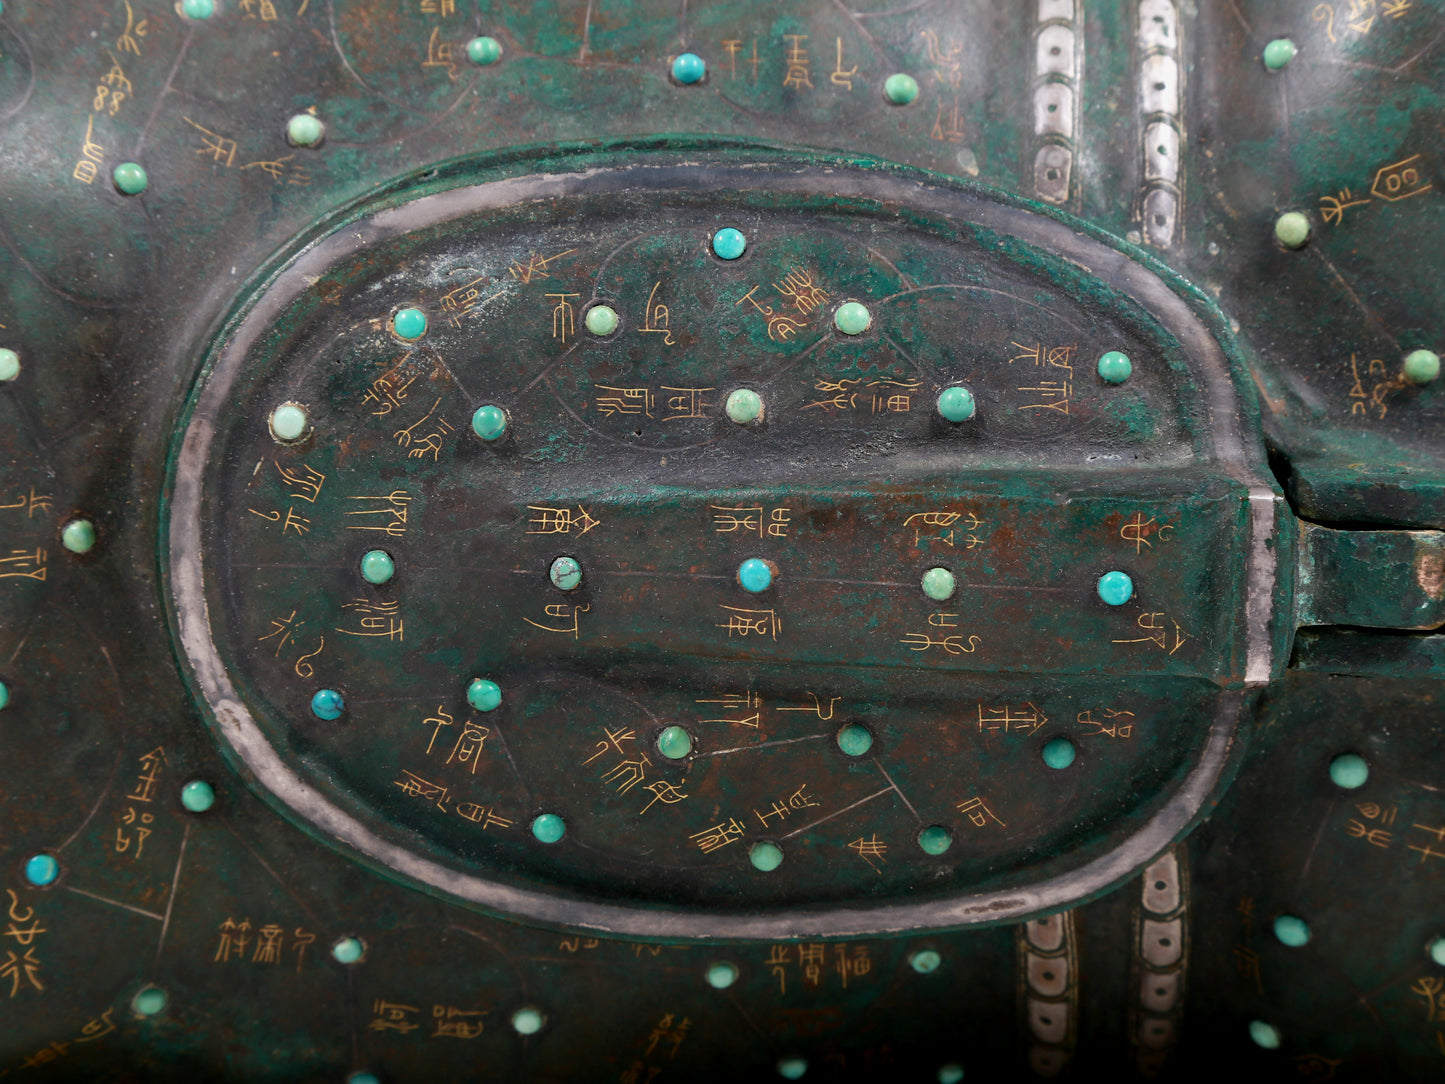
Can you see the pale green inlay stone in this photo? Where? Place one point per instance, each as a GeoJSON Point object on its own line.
{"type": "Point", "coordinates": [956, 404]}
{"type": "Point", "coordinates": [410, 323]}
{"type": "Point", "coordinates": [549, 828]}
{"type": "Point", "coordinates": [852, 318]}
{"type": "Point", "coordinates": [130, 178]}
{"type": "Point", "coordinates": [198, 796]}
{"type": "Point", "coordinates": [744, 406]}
{"type": "Point", "coordinates": [1437, 951]}
{"type": "Point", "coordinates": [855, 740]}
{"type": "Point", "coordinates": [484, 51]}
{"type": "Point", "coordinates": [1291, 930]}
{"type": "Point", "coordinates": [527, 1021]}
{"type": "Point", "coordinates": [78, 536]}
{"type": "Point", "coordinates": [674, 743]}
{"type": "Point", "coordinates": [1278, 53]}
{"type": "Point", "coordinates": [728, 243]}
{"type": "Point", "coordinates": [755, 575]}
{"type": "Point", "coordinates": [484, 695]}
{"type": "Point", "coordinates": [935, 839]}
{"type": "Point", "coordinates": [348, 950]}
{"type": "Point", "coordinates": [4, 695]}
{"type": "Point", "coordinates": [925, 961]}
{"type": "Point", "coordinates": [1116, 588]}
{"type": "Point", "coordinates": [1115, 367]}
{"type": "Point", "coordinates": [1292, 228]}
{"type": "Point", "coordinates": [41, 870]}
{"type": "Point", "coordinates": [1265, 1035]}
{"type": "Point", "coordinates": [305, 130]}
{"type": "Point", "coordinates": [289, 422]}
{"type": "Point", "coordinates": [766, 856]}
{"type": "Point", "coordinates": [9, 365]}
{"type": "Point", "coordinates": [1421, 366]}
{"type": "Point", "coordinates": [565, 573]}
{"type": "Point", "coordinates": [900, 89]}
{"type": "Point", "coordinates": [363, 1078]}
{"type": "Point", "coordinates": [939, 584]}
{"type": "Point", "coordinates": [150, 1001]}
{"type": "Point", "coordinates": [602, 319]}
{"type": "Point", "coordinates": [1059, 753]}
{"type": "Point", "coordinates": [377, 566]}
{"type": "Point", "coordinates": [1349, 771]}
{"type": "Point", "coordinates": [951, 1073]}
{"type": "Point", "coordinates": [721, 975]}
{"type": "Point", "coordinates": [792, 1068]}
{"type": "Point", "coordinates": [489, 422]}
{"type": "Point", "coordinates": [198, 9]}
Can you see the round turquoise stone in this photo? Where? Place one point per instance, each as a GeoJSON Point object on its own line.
{"type": "Point", "coordinates": [721, 975]}
{"type": "Point", "coordinates": [766, 856]}
{"type": "Point", "coordinates": [1349, 771]}
{"type": "Point", "coordinates": [1292, 229]}
{"type": "Point", "coordinates": [198, 796]}
{"type": "Point", "coordinates": [689, 68]}
{"type": "Point", "coordinates": [377, 566]}
{"type": "Point", "coordinates": [151, 1001]}
{"type": "Point", "coordinates": [755, 575]}
{"type": "Point", "coordinates": [305, 130]}
{"type": "Point", "coordinates": [935, 839]}
{"type": "Point", "coordinates": [951, 1073]}
{"type": "Point", "coordinates": [939, 584]}
{"type": "Point", "coordinates": [1114, 367]}
{"type": "Point", "coordinates": [852, 318]}
{"type": "Point", "coordinates": [198, 9]}
{"type": "Point", "coordinates": [327, 704]}
{"type": "Point", "coordinates": [1437, 951]}
{"type": "Point", "coordinates": [855, 740]}
{"type": "Point", "coordinates": [1059, 753]}
{"type": "Point", "coordinates": [130, 178]}
{"type": "Point", "coordinates": [484, 695]}
{"type": "Point", "coordinates": [549, 828]}
{"type": "Point", "coordinates": [489, 422]}
{"type": "Point", "coordinates": [410, 323]}
{"type": "Point", "coordinates": [484, 51]}
{"type": "Point", "coordinates": [744, 406]}
{"type": "Point", "coordinates": [1116, 588]}
{"type": "Point", "coordinates": [1278, 53]}
{"type": "Point", "coordinates": [925, 961]}
{"type": "Point", "coordinates": [1421, 366]}
{"type": "Point", "coordinates": [4, 695]}
{"type": "Point", "coordinates": [602, 319]}
{"type": "Point", "coordinates": [674, 743]}
{"type": "Point", "coordinates": [41, 870]}
{"type": "Point", "coordinates": [288, 423]}
{"type": "Point", "coordinates": [1291, 931]}
{"type": "Point", "coordinates": [348, 950]}
{"type": "Point", "coordinates": [565, 573]}
{"type": "Point", "coordinates": [363, 1078]}
{"type": "Point", "coordinates": [78, 536]}
{"type": "Point", "coordinates": [1264, 1035]}
{"type": "Point", "coordinates": [527, 1021]}
{"type": "Point", "coordinates": [792, 1068]}
{"type": "Point", "coordinates": [956, 404]}
{"type": "Point", "coordinates": [729, 243]}
{"type": "Point", "coordinates": [9, 365]}
{"type": "Point", "coordinates": [900, 89]}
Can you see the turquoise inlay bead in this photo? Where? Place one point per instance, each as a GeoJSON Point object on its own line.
{"type": "Point", "coordinates": [939, 584]}
{"type": "Point", "coordinates": [951, 1073]}
{"type": "Point", "coordinates": [363, 1078]}
{"type": "Point", "coordinates": [78, 536]}
{"type": "Point", "coordinates": [1116, 588]}
{"type": "Point", "coordinates": [1292, 229]}
{"type": "Point", "coordinates": [198, 796]}
{"type": "Point", "coordinates": [1278, 53]}
{"type": "Point", "coordinates": [549, 828]}
{"type": "Point", "coordinates": [484, 695]}
{"type": "Point", "coordinates": [766, 856]}
{"type": "Point", "coordinates": [1421, 366]}
{"type": "Point", "coordinates": [377, 566]}
{"type": "Point", "coordinates": [956, 404]}
{"type": "Point", "coordinates": [925, 961]}
{"type": "Point", "coordinates": [900, 89]}
{"type": "Point", "coordinates": [130, 179]}
{"type": "Point", "coordinates": [721, 975]}
{"type": "Point", "coordinates": [744, 406]}
{"type": "Point", "coordinates": [602, 319]}
{"type": "Point", "coordinates": [489, 422]}
{"type": "Point", "coordinates": [305, 130]}
{"type": "Point", "coordinates": [689, 68]}
{"type": "Point", "coordinates": [410, 323]}
{"type": "Point", "coordinates": [4, 695]}
{"type": "Point", "coordinates": [348, 950]}
{"type": "Point", "coordinates": [1349, 771]}
{"type": "Point", "coordinates": [1265, 1035]}
{"type": "Point", "coordinates": [289, 423]}
{"type": "Point", "coordinates": [1114, 367]}
{"type": "Point", "coordinates": [792, 1068]}
{"type": "Point", "coordinates": [729, 243]}
{"type": "Point", "coordinates": [9, 365]}
{"type": "Point", "coordinates": [1437, 951]}
{"type": "Point", "coordinates": [150, 1001]}
{"type": "Point", "coordinates": [1291, 931]}
{"type": "Point", "coordinates": [674, 743]}
{"type": "Point", "coordinates": [565, 573]}
{"type": "Point", "coordinates": [755, 575]}
{"type": "Point", "coordinates": [1059, 753]}
{"type": "Point", "coordinates": [198, 9]}
{"type": "Point", "coordinates": [935, 839]}
{"type": "Point", "coordinates": [41, 870]}
{"type": "Point", "coordinates": [855, 740]}
{"type": "Point", "coordinates": [527, 1021]}
{"type": "Point", "coordinates": [327, 704]}
{"type": "Point", "coordinates": [484, 51]}
{"type": "Point", "coordinates": [852, 318]}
